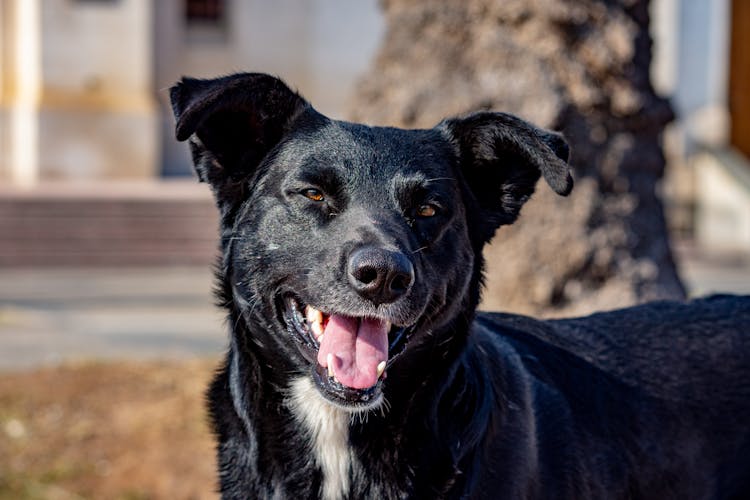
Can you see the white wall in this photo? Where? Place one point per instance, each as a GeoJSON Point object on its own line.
{"type": "Point", "coordinates": [102, 47]}
{"type": "Point", "coordinates": [98, 115]}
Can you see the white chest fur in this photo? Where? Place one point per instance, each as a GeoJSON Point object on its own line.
{"type": "Point", "coordinates": [328, 429]}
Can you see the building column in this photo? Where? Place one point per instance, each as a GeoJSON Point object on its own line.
{"type": "Point", "coordinates": [20, 90]}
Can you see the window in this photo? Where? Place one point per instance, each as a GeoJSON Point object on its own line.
{"type": "Point", "coordinates": [206, 21]}
{"type": "Point", "coordinates": [204, 11]}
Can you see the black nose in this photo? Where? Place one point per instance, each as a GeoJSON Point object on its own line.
{"type": "Point", "coordinates": [380, 275]}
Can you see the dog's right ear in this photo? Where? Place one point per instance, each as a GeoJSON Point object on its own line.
{"type": "Point", "coordinates": [232, 123]}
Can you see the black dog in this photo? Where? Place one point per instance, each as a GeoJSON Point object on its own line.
{"type": "Point", "coordinates": [352, 266]}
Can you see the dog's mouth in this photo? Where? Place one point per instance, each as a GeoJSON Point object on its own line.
{"type": "Point", "coordinates": [349, 355]}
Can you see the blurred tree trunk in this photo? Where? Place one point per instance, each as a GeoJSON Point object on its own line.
{"type": "Point", "coordinates": [579, 66]}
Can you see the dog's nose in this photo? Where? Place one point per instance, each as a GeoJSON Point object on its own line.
{"type": "Point", "coordinates": [380, 275]}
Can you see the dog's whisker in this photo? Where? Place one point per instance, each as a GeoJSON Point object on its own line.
{"type": "Point", "coordinates": [385, 407]}
{"type": "Point", "coordinates": [433, 179]}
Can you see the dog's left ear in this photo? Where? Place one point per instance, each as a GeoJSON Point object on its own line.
{"type": "Point", "coordinates": [502, 157]}
{"type": "Point", "coordinates": [233, 123]}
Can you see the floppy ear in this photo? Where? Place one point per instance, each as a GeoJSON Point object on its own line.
{"type": "Point", "coordinates": [232, 123]}
{"type": "Point", "coordinates": [501, 159]}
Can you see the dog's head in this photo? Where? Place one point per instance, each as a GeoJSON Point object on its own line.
{"type": "Point", "coordinates": [343, 242]}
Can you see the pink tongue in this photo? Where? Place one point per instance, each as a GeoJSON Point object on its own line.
{"type": "Point", "coordinates": [358, 346]}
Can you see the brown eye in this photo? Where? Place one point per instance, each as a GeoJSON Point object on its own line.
{"type": "Point", "coordinates": [313, 194]}
{"type": "Point", "coordinates": [426, 211]}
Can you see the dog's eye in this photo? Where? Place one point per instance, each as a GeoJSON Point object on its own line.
{"type": "Point", "coordinates": [313, 194]}
{"type": "Point", "coordinates": [426, 211]}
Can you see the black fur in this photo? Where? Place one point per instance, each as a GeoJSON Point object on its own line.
{"type": "Point", "coordinates": [646, 402]}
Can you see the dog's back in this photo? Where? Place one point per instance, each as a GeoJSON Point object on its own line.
{"type": "Point", "coordinates": [660, 387]}
{"type": "Point", "coordinates": [689, 351]}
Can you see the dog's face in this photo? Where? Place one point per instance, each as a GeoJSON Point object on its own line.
{"type": "Point", "coordinates": [343, 242]}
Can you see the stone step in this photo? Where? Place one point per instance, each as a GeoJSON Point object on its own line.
{"type": "Point", "coordinates": [108, 224]}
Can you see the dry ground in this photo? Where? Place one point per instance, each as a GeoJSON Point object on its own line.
{"type": "Point", "coordinates": [124, 430]}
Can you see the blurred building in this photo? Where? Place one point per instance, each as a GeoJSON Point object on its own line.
{"type": "Point", "coordinates": [76, 93]}
{"type": "Point", "coordinates": [702, 61]}
{"type": "Point", "coordinates": [83, 89]}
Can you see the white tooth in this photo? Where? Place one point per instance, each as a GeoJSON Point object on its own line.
{"type": "Point", "coordinates": [388, 326]}
{"type": "Point", "coordinates": [381, 368]}
{"type": "Point", "coordinates": [313, 315]}
{"type": "Point", "coordinates": [317, 330]}
{"type": "Point", "coordinates": [329, 361]}
{"type": "Point", "coordinates": [320, 339]}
